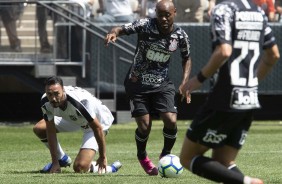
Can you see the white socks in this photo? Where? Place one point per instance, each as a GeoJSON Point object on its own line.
{"type": "Point", "coordinates": [94, 168]}
{"type": "Point", "coordinates": [60, 151]}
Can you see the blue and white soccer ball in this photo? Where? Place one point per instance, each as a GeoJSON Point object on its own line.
{"type": "Point", "coordinates": [169, 166]}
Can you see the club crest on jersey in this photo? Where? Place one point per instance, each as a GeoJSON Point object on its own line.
{"type": "Point", "coordinates": [72, 117]}
{"type": "Point", "coordinates": [173, 45]}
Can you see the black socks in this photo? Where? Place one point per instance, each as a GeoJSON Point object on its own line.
{"type": "Point", "coordinates": [213, 170]}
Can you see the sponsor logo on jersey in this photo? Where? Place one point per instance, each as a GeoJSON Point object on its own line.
{"type": "Point", "coordinates": [249, 20]}
{"type": "Point", "coordinates": [212, 137]}
{"type": "Point", "coordinates": [151, 79]}
{"type": "Point", "coordinates": [157, 54]}
{"type": "Point", "coordinates": [244, 98]}
{"type": "Point", "coordinates": [247, 16]}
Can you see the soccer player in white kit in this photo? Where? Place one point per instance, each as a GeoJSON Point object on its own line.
{"type": "Point", "coordinates": [67, 109]}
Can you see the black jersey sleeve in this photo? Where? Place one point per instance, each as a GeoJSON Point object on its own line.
{"type": "Point", "coordinates": [269, 39]}
{"type": "Point", "coordinates": [184, 45]}
{"type": "Point", "coordinates": [136, 26]}
{"type": "Point", "coordinates": [221, 21]}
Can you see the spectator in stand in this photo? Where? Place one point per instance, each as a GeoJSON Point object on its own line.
{"type": "Point", "coordinates": [278, 9]}
{"type": "Point", "coordinates": [147, 8]}
{"type": "Point", "coordinates": [190, 11]}
{"type": "Point", "coordinates": [76, 36]}
{"type": "Point", "coordinates": [10, 13]}
{"type": "Point", "coordinates": [42, 15]}
{"type": "Point", "coordinates": [268, 7]}
{"type": "Point", "coordinates": [115, 11]}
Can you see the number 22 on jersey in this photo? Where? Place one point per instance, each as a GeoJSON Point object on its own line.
{"type": "Point", "coordinates": [249, 78]}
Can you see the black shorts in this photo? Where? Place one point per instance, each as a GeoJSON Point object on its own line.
{"type": "Point", "coordinates": [153, 102]}
{"type": "Point", "coordinates": [215, 128]}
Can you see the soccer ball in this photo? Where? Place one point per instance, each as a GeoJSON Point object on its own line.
{"type": "Point", "coordinates": [169, 166]}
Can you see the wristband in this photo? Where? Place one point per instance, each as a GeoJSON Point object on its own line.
{"type": "Point", "coordinates": [201, 78]}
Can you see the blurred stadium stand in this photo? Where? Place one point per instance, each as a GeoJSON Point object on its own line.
{"type": "Point", "coordinates": [101, 70]}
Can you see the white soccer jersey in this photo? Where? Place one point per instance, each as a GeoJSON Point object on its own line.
{"type": "Point", "coordinates": [82, 107]}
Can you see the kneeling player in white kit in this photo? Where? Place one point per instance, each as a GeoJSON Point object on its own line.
{"type": "Point", "coordinates": [67, 109]}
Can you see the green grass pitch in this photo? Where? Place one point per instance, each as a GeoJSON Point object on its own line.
{"type": "Point", "coordinates": [22, 155]}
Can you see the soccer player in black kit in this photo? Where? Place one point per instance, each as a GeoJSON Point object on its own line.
{"type": "Point", "coordinates": [244, 51]}
{"type": "Point", "coordinates": [147, 83]}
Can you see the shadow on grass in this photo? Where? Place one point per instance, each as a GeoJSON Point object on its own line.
{"type": "Point", "coordinates": [73, 174]}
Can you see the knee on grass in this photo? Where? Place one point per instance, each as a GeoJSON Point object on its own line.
{"type": "Point", "coordinates": [81, 167]}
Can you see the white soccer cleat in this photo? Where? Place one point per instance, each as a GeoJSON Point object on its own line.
{"type": "Point", "coordinates": [116, 166]}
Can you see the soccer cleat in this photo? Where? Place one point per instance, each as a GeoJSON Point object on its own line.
{"type": "Point", "coordinates": [64, 162]}
{"type": "Point", "coordinates": [116, 166]}
{"type": "Point", "coordinates": [249, 180]}
{"type": "Point", "coordinates": [148, 166]}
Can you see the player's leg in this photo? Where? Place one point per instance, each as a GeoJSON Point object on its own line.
{"type": "Point", "coordinates": [62, 126]}
{"type": "Point", "coordinates": [191, 157]}
{"type": "Point", "coordinates": [169, 132]}
{"type": "Point", "coordinates": [139, 104]}
{"type": "Point", "coordinates": [226, 155]}
{"type": "Point", "coordinates": [189, 151]}
{"type": "Point", "coordinates": [142, 133]}
{"type": "Point", "coordinates": [40, 131]}
{"type": "Point", "coordinates": [141, 137]}
{"type": "Point", "coordinates": [84, 159]}
{"type": "Point", "coordinates": [205, 130]}
{"type": "Point", "coordinates": [163, 102]}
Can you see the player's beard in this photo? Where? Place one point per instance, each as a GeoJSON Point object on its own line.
{"type": "Point", "coordinates": [59, 102]}
{"type": "Point", "coordinates": [55, 104]}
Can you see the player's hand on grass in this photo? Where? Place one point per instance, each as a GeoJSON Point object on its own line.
{"type": "Point", "coordinates": [102, 165]}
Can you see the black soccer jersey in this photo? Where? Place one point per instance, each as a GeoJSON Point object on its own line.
{"type": "Point", "coordinates": [243, 25]}
{"type": "Point", "coordinates": [153, 52]}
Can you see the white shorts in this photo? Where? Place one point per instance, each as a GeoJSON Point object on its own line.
{"type": "Point", "coordinates": [88, 140]}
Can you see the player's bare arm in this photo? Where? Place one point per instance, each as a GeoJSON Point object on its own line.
{"type": "Point", "coordinates": [218, 58]}
{"type": "Point", "coordinates": [52, 141]}
{"type": "Point", "coordinates": [113, 34]}
{"type": "Point", "coordinates": [100, 138]}
{"type": "Point", "coordinates": [268, 60]}
{"type": "Point", "coordinates": [186, 66]}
